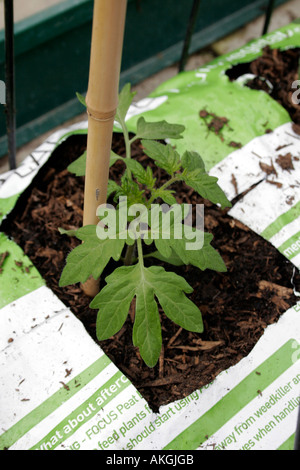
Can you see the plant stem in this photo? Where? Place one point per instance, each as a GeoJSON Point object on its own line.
{"type": "Point", "coordinates": [174, 179]}
{"type": "Point", "coordinates": [134, 138]}
{"type": "Point", "coordinates": [129, 255]}
{"type": "Point", "coordinates": [140, 251]}
{"type": "Point", "coordinates": [171, 181]}
{"type": "Point", "coordinates": [127, 142]}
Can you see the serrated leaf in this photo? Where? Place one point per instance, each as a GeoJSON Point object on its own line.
{"type": "Point", "coordinates": [170, 289]}
{"type": "Point", "coordinates": [131, 190]}
{"type": "Point", "coordinates": [165, 194]}
{"type": "Point", "coordinates": [164, 155]}
{"type": "Point", "coordinates": [173, 259]}
{"type": "Point", "coordinates": [207, 187]}
{"type": "Point", "coordinates": [136, 169]}
{"type": "Point", "coordinates": [125, 99]}
{"type": "Point", "coordinates": [172, 236]}
{"type": "Point", "coordinates": [145, 284]}
{"type": "Point", "coordinates": [114, 301]}
{"type": "Point", "coordinates": [146, 329]}
{"type": "Point", "coordinates": [196, 177]}
{"type": "Point", "coordinates": [158, 130]}
{"type": "Point", "coordinates": [143, 176]}
{"type": "Point", "coordinates": [149, 180]}
{"type": "Point", "coordinates": [192, 161]}
{"type": "Point", "coordinates": [91, 257]}
{"type": "Point", "coordinates": [112, 187]}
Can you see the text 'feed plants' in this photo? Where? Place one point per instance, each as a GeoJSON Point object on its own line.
{"type": "Point", "coordinates": [144, 215]}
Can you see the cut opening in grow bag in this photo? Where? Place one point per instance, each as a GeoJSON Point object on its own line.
{"type": "Point", "coordinates": [236, 306]}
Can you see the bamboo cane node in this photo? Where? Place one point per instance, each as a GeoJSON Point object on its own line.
{"type": "Point", "coordinates": [100, 116]}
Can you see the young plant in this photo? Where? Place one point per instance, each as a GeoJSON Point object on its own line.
{"type": "Point", "coordinates": [122, 235]}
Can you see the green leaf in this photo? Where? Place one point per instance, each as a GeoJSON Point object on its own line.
{"type": "Point", "coordinates": [137, 170]}
{"type": "Point", "coordinates": [143, 176]}
{"type": "Point", "coordinates": [70, 233]}
{"type": "Point", "coordinates": [112, 187]}
{"type": "Point", "coordinates": [207, 187]}
{"type": "Point", "coordinates": [149, 179]}
{"type": "Point", "coordinates": [114, 158]}
{"type": "Point", "coordinates": [114, 301]}
{"type": "Point", "coordinates": [158, 130]}
{"type": "Point", "coordinates": [81, 99]}
{"type": "Point", "coordinates": [125, 99]}
{"type": "Point", "coordinates": [164, 155]}
{"type": "Point", "coordinates": [197, 178]}
{"type": "Point", "coordinates": [172, 236]}
{"type": "Point", "coordinates": [145, 284]}
{"type": "Point", "coordinates": [173, 259]}
{"type": "Point", "coordinates": [170, 289]}
{"type": "Point", "coordinates": [78, 167]}
{"type": "Point", "coordinates": [192, 161]}
{"type": "Point", "coordinates": [131, 190]}
{"type": "Point", "coordinates": [91, 257]}
{"type": "Point", "coordinates": [165, 194]}
{"type": "Point", "coordinates": [146, 329]}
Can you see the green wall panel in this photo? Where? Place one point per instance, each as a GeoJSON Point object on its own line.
{"type": "Point", "coordinates": [52, 52]}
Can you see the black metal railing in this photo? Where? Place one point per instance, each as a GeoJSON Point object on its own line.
{"type": "Point", "coordinates": [270, 9]}
{"type": "Point", "coordinates": [192, 22]}
{"type": "Point", "coordinates": [189, 34]}
{"type": "Point", "coordinates": [10, 107]}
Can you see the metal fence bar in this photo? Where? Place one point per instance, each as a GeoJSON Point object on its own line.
{"type": "Point", "coordinates": [269, 12]}
{"type": "Point", "coordinates": [189, 33]}
{"type": "Point", "coordinates": [10, 82]}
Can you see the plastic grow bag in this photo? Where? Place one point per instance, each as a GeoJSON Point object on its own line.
{"type": "Point", "coordinates": [57, 395]}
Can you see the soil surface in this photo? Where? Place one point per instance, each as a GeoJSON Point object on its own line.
{"type": "Point", "coordinates": [236, 306]}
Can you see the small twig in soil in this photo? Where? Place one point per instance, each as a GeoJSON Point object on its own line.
{"type": "Point", "coordinates": [171, 341]}
{"type": "Point", "coordinates": [165, 381]}
{"type": "Point", "coordinates": [161, 363]}
{"type": "Point", "coordinates": [282, 291]}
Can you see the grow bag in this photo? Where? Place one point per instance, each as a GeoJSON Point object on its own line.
{"type": "Point", "coordinates": [58, 390]}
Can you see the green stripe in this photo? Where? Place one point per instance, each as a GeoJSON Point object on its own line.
{"type": "Point", "coordinates": [281, 221]}
{"type": "Point", "coordinates": [62, 434]}
{"type": "Point", "coordinates": [208, 424]}
{"type": "Point", "coordinates": [69, 134]}
{"type": "Point", "coordinates": [7, 205]}
{"type": "Point", "coordinates": [15, 433]}
{"type": "Point", "coordinates": [16, 281]}
{"type": "Point", "coordinates": [288, 444]}
{"type": "Point", "coordinates": [289, 248]}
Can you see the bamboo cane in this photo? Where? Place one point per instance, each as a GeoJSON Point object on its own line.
{"type": "Point", "coordinates": [102, 101]}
